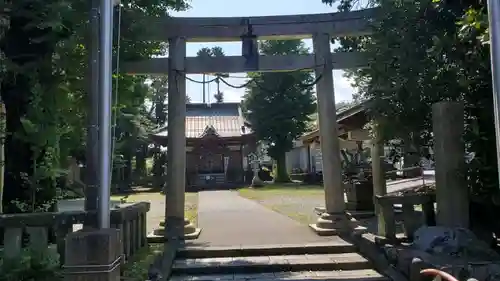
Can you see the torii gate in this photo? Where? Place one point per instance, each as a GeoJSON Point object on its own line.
{"type": "Point", "coordinates": [321, 27]}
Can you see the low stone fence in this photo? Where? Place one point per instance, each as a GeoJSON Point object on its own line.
{"type": "Point", "coordinates": [411, 220]}
{"type": "Point", "coordinates": [39, 230]}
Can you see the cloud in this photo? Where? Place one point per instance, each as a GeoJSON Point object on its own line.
{"type": "Point", "coordinates": [234, 95]}
{"type": "Point", "coordinates": [342, 86]}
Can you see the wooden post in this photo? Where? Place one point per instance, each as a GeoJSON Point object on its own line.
{"type": "Point", "coordinates": [334, 219]}
{"type": "Point", "coordinates": [93, 255]}
{"type": "Point", "coordinates": [176, 147]}
{"type": "Point", "coordinates": [378, 176]}
{"type": "Point", "coordinates": [452, 195]}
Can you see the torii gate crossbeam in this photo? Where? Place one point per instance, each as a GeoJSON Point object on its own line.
{"type": "Point", "coordinates": [224, 29]}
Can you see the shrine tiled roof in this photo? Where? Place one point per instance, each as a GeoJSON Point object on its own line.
{"type": "Point", "coordinates": [222, 119]}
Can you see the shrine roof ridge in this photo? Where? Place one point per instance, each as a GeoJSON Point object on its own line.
{"type": "Point", "coordinates": [212, 105]}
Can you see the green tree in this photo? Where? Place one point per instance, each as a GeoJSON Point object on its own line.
{"type": "Point", "coordinates": [208, 53]}
{"type": "Point", "coordinates": [219, 97]}
{"type": "Point", "coordinates": [278, 105]}
{"type": "Point", "coordinates": [443, 56]}
{"type": "Point", "coordinates": [43, 86]}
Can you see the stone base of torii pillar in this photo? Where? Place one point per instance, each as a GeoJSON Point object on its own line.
{"type": "Point", "coordinates": [190, 230]}
{"type": "Point", "coordinates": [329, 224]}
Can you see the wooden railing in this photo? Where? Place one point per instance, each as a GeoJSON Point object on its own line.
{"type": "Point", "coordinates": [39, 230]}
{"type": "Point", "coordinates": [411, 222]}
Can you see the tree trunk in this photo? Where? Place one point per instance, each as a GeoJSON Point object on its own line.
{"type": "Point", "coordinates": [127, 170]}
{"type": "Point", "coordinates": [140, 162]}
{"type": "Point", "coordinates": [18, 156]}
{"type": "Point", "coordinates": [16, 91]}
{"type": "Point", "coordinates": [160, 160]}
{"type": "Point", "coordinates": [411, 158]}
{"type": "Point", "coordinates": [281, 173]}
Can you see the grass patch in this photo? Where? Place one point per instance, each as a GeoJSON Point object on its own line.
{"type": "Point", "coordinates": [276, 190]}
{"type": "Point", "coordinates": [300, 215]}
{"type": "Point", "coordinates": [292, 200]}
{"type": "Point", "coordinates": [191, 206]}
{"type": "Point", "coordinates": [137, 268]}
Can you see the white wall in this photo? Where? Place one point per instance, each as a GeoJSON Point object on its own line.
{"type": "Point", "coordinates": [297, 157]}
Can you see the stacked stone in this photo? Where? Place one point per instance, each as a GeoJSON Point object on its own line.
{"type": "Point", "coordinates": [190, 230]}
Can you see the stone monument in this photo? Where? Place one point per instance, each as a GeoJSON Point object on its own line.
{"type": "Point", "coordinates": [256, 181]}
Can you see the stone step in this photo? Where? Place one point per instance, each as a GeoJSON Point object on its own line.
{"type": "Point", "coordinates": [340, 275]}
{"type": "Point", "coordinates": [263, 264]}
{"type": "Point", "coordinates": [334, 247]}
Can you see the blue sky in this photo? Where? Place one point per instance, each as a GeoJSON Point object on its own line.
{"type": "Point", "coordinates": [235, 8]}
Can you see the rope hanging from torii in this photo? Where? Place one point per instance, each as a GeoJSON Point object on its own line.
{"type": "Point", "coordinates": [250, 52]}
{"type": "Point", "coordinates": [254, 82]}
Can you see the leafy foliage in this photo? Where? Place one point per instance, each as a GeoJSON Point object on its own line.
{"type": "Point", "coordinates": [422, 52]}
{"type": "Point", "coordinates": [44, 87]}
{"type": "Point", "coordinates": [31, 266]}
{"type": "Point", "coordinates": [278, 106]}
{"type": "Point", "coordinates": [219, 97]}
{"type": "Point", "coordinates": [214, 52]}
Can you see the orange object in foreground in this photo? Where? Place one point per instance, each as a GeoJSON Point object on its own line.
{"type": "Point", "coordinates": [436, 272]}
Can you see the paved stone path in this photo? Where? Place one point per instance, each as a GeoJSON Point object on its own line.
{"type": "Point", "coordinates": [228, 219]}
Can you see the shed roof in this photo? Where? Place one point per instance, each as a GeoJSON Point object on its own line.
{"type": "Point", "coordinates": [342, 116]}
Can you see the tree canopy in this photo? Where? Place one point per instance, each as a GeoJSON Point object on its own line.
{"type": "Point", "coordinates": [208, 53]}
{"type": "Point", "coordinates": [44, 86]}
{"type": "Point", "coordinates": [278, 105]}
{"type": "Point", "coordinates": [422, 52]}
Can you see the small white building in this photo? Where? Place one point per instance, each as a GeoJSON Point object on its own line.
{"type": "Point", "coordinates": [306, 154]}
{"type": "Point", "coordinates": [306, 157]}
{"type": "Point", "coordinates": [298, 158]}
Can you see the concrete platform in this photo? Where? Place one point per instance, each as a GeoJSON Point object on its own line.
{"type": "Point", "coordinates": [243, 240]}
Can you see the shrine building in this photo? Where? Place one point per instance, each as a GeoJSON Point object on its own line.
{"type": "Point", "coordinates": [218, 141]}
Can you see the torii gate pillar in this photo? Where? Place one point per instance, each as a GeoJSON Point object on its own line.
{"type": "Point", "coordinates": [334, 219]}
{"type": "Point", "coordinates": [176, 228]}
